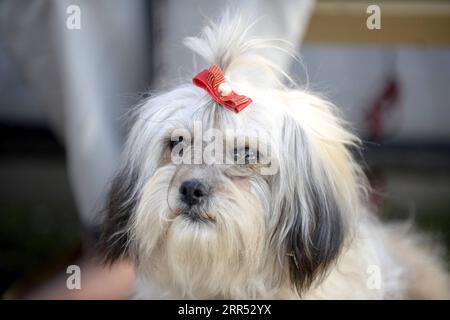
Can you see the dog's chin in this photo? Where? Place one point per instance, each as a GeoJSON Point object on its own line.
{"type": "Point", "coordinates": [191, 250]}
{"type": "Point", "coordinates": [204, 254]}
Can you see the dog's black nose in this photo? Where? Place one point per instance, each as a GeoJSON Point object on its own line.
{"type": "Point", "coordinates": [193, 191]}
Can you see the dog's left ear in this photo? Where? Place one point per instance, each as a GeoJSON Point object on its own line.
{"type": "Point", "coordinates": [316, 189]}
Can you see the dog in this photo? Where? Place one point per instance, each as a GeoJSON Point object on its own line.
{"type": "Point", "coordinates": [276, 209]}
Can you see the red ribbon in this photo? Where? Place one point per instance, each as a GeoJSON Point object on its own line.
{"type": "Point", "coordinates": [210, 79]}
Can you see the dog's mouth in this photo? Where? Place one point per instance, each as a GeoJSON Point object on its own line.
{"type": "Point", "coordinates": [196, 216]}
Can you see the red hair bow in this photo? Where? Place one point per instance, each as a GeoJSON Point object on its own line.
{"type": "Point", "coordinates": [212, 81]}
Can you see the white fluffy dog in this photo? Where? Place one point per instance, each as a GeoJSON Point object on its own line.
{"type": "Point", "coordinates": [286, 218]}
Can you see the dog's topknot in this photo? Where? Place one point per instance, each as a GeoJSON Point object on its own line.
{"type": "Point", "coordinates": [228, 44]}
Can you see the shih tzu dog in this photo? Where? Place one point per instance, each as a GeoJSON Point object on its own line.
{"type": "Point", "coordinates": [239, 186]}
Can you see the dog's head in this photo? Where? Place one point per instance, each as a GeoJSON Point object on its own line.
{"type": "Point", "coordinates": [216, 203]}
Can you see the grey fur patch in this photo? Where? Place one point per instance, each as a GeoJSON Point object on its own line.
{"type": "Point", "coordinates": [121, 202]}
{"type": "Point", "coordinates": [315, 228]}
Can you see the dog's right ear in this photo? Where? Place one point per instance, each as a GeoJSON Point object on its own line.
{"type": "Point", "coordinates": [121, 202]}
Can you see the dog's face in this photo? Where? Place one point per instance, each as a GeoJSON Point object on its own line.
{"type": "Point", "coordinates": [214, 203]}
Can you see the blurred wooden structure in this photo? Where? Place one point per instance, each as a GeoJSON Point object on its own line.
{"type": "Point", "coordinates": [402, 22]}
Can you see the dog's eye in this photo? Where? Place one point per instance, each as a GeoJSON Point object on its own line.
{"type": "Point", "coordinates": [173, 143]}
{"type": "Point", "coordinates": [246, 156]}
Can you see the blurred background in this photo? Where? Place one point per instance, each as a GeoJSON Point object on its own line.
{"type": "Point", "coordinates": [65, 90]}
